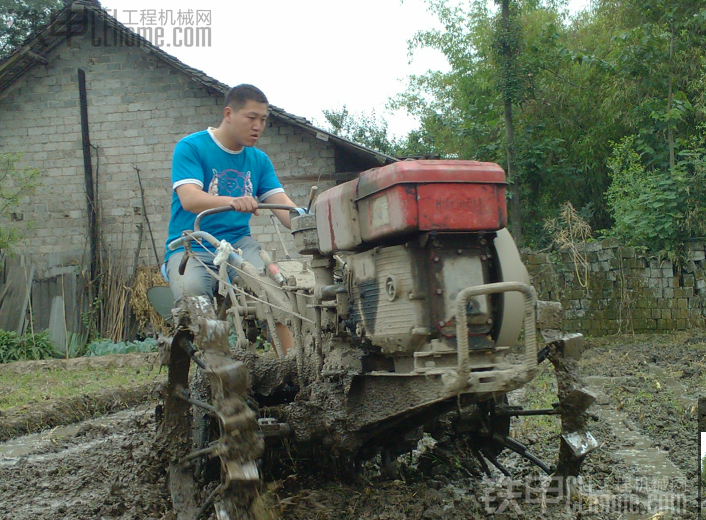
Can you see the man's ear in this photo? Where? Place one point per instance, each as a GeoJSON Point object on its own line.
{"type": "Point", "coordinates": [227, 111]}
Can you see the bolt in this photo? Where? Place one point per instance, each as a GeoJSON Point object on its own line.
{"type": "Point", "coordinates": [436, 259]}
{"type": "Point", "coordinates": [439, 291]}
{"type": "Point", "coordinates": [489, 321]}
{"type": "Point", "coordinates": [483, 258]}
{"type": "Point", "coordinates": [483, 241]}
{"type": "Point", "coordinates": [459, 251]}
{"type": "Point", "coordinates": [441, 324]}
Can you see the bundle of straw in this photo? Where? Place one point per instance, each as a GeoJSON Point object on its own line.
{"type": "Point", "coordinates": [114, 290]}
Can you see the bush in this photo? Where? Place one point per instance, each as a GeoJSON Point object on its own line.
{"type": "Point", "coordinates": [25, 348]}
{"type": "Point", "coordinates": [658, 209]}
{"type": "Point", "coordinates": [104, 347]}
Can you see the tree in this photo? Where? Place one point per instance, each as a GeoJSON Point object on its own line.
{"type": "Point", "coordinates": [372, 132]}
{"type": "Point", "coordinates": [573, 89]}
{"type": "Point", "coordinates": [363, 129]}
{"type": "Point", "coordinates": [19, 18]}
{"type": "Point", "coordinates": [507, 43]}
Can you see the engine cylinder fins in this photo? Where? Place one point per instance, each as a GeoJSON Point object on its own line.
{"type": "Point", "coordinates": [511, 269]}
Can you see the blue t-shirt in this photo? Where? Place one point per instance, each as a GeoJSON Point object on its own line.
{"type": "Point", "coordinates": [200, 159]}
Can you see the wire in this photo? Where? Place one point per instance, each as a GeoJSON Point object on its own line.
{"type": "Point", "coordinates": [238, 289]}
{"type": "Point", "coordinates": [238, 270]}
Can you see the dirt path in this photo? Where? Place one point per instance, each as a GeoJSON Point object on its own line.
{"type": "Point", "coordinates": [646, 412]}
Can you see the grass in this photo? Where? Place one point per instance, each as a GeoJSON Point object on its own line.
{"type": "Point", "coordinates": [43, 385]}
{"type": "Point", "coordinates": [539, 393]}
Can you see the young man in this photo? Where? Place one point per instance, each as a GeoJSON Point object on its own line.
{"type": "Point", "coordinates": [219, 167]}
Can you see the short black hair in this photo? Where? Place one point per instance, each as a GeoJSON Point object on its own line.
{"type": "Point", "coordinates": [241, 94]}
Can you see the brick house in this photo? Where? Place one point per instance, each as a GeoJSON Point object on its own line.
{"type": "Point", "coordinates": [140, 102]}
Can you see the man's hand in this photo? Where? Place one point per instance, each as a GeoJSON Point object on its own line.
{"type": "Point", "coordinates": [245, 205]}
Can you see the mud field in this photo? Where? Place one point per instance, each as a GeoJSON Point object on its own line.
{"type": "Point", "coordinates": [646, 466]}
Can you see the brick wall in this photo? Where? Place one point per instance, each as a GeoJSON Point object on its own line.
{"type": "Point", "coordinates": [622, 290]}
{"type": "Point", "coordinates": [138, 108]}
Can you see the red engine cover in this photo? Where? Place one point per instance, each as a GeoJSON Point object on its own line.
{"type": "Point", "coordinates": [431, 196]}
{"type": "Point", "coordinates": [410, 196]}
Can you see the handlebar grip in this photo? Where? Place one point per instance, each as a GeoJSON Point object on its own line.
{"type": "Point", "coordinates": [182, 264]}
{"type": "Point", "coordinates": [197, 222]}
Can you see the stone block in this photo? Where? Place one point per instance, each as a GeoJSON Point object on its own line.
{"type": "Point", "coordinates": [593, 247]}
{"type": "Point", "coordinates": [605, 255]}
{"type": "Point", "coordinates": [627, 252]}
{"type": "Point", "coordinates": [697, 256]}
{"type": "Point", "coordinates": [665, 325]}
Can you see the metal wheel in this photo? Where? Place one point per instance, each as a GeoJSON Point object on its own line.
{"type": "Point", "coordinates": [187, 436]}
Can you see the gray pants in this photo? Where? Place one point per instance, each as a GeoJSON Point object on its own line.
{"type": "Point", "coordinates": [197, 281]}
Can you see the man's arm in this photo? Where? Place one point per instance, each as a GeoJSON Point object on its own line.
{"type": "Point", "coordinates": [281, 214]}
{"type": "Point", "coordinates": [195, 200]}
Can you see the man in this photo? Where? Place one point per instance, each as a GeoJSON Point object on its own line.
{"type": "Point", "coordinates": [219, 167]}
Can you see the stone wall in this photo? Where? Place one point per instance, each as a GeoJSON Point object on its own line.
{"type": "Point", "coordinates": [620, 290]}
{"type": "Point", "coordinates": [138, 108]}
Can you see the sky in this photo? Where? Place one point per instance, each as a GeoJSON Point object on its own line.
{"type": "Point", "coordinates": [306, 56]}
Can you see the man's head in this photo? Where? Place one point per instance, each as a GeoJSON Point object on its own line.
{"type": "Point", "coordinates": [238, 96]}
{"type": "Point", "coordinates": [244, 116]}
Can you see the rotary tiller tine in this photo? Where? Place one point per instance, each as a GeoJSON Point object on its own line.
{"type": "Point", "coordinates": [495, 462]}
{"type": "Point", "coordinates": [522, 451]}
{"type": "Point", "coordinates": [483, 463]}
{"type": "Point", "coordinates": [207, 503]}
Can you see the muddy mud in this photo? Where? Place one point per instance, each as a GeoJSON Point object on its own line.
{"type": "Point", "coordinates": [644, 418]}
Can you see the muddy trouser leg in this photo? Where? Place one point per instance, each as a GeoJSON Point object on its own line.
{"type": "Point", "coordinates": [197, 281]}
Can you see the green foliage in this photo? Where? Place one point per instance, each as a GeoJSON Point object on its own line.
{"type": "Point", "coordinates": [76, 344]}
{"type": "Point", "coordinates": [29, 347]}
{"type": "Point", "coordinates": [15, 183]}
{"type": "Point", "coordinates": [19, 18]}
{"type": "Point", "coordinates": [657, 208]}
{"type": "Point", "coordinates": [372, 132]}
{"type": "Point", "coordinates": [703, 473]}
{"type": "Point", "coordinates": [104, 347]}
{"type": "Point", "coordinates": [621, 69]}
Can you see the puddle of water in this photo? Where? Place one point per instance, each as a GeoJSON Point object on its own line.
{"type": "Point", "coordinates": [12, 451]}
{"type": "Point", "coordinates": [637, 449]}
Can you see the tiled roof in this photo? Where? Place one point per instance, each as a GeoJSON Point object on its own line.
{"type": "Point", "coordinates": [71, 19]}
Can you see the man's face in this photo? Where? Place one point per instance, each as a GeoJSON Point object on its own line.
{"type": "Point", "coordinates": [246, 125]}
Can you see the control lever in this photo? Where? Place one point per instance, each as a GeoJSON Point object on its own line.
{"type": "Point", "coordinates": [312, 196]}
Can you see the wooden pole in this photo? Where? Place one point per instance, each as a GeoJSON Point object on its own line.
{"type": "Point", "coordinates": [88, 177]}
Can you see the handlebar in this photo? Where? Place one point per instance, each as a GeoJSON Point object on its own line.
{"type": "Point", "coordinates": [223, 209]}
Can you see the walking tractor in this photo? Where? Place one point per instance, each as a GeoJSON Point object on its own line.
{"type": "Point", "coordinates": [410, 301]}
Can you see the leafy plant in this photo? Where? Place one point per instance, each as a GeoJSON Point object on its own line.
{"type": "Point", "coordinates": [15, 183]}
{"type": "Point", "coordinates": [29, 347]}
{"type": "Point", "coordinates": [106, 346]}
{"type": "Point", "coordinates": [657, 208]}
{"type": "Point", "coordinates": [76, 344]}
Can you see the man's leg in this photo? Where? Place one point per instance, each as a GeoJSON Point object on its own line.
{"type": "Point", "coordinates": [196, 280]}
{"type": "Point", "coordinates": [251, 254]}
